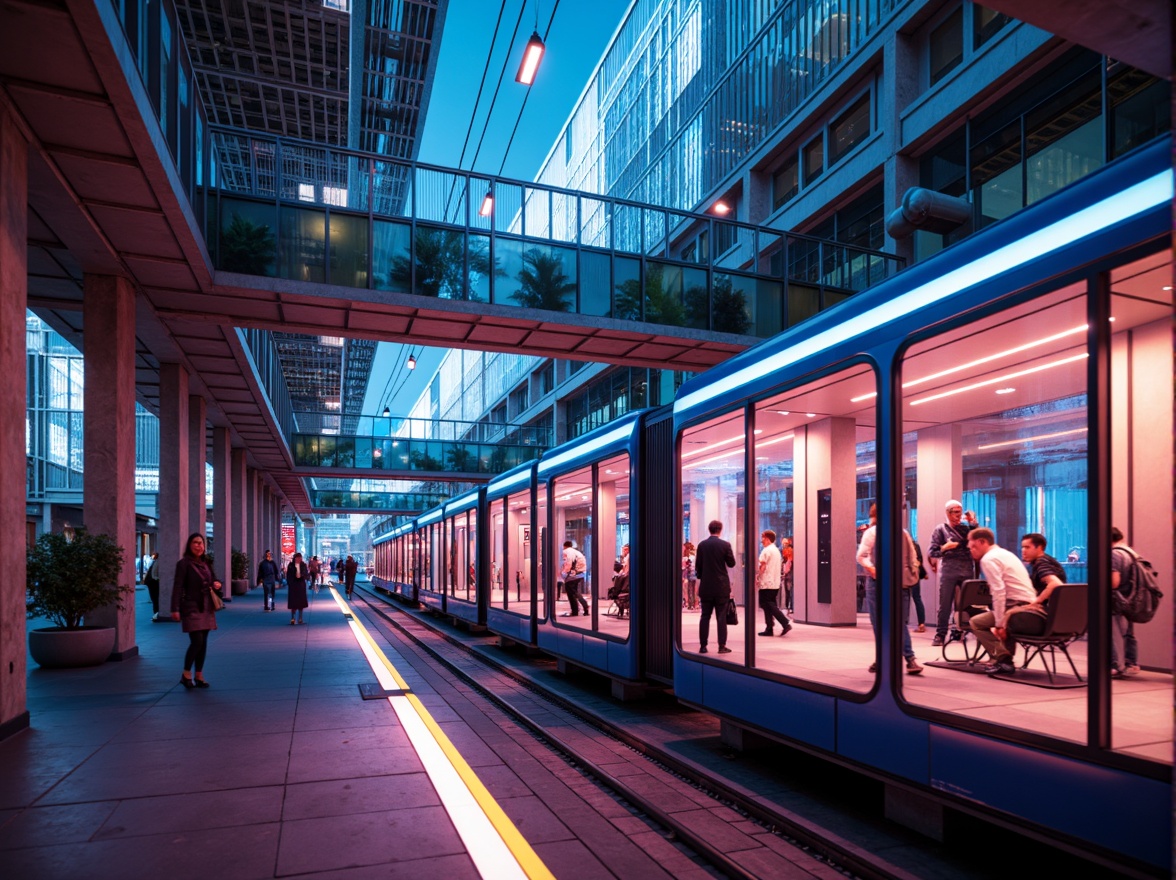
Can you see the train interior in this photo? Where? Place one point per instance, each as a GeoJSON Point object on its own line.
{"type": "Point", "coordinates": [994, 413]}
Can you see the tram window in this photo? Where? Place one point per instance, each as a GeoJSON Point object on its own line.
{"type": "Point", "coordinates": [994, 415]}
{"type": "Point", "coordinates": [613, 506]}
{"type": "Point", "coordinates": [499, 553]}
{"type": "Point", "coordinates": [713, 482]}
{"type": "Point", "coordinates": [814, 452]}
{"type": "Point", "coordinates": [539, 542]}
{"type": "Point", "coordinates": [1141, 398]}
{"type": "Point", "coordinates": [573, 515]}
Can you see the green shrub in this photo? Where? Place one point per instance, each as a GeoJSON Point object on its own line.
{"type": "Point", "coordinates": [66, 580]}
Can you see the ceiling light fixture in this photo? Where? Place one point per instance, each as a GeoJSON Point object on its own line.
{"type": "Point", "coordinates": [970, 364]}
{"type": "Point", "coordinates": [532, 55]}
{"type": "Point", "coordinates": [411, 364]}
{"type": "Point", "coordinates": [1031, 439]}
{"type": "Point", "coordinates": [487, 204]}
{"type": "Point", "coordinates": [721, 208]}
{"type": "Point", "coordinates": [387, 412]}
{"type": "Point", "coordinates": [1004, 378]}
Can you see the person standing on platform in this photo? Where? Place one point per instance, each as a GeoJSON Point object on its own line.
{"type": "Point", "coordinates": [867, 557]}
{"type": "Point", "coordinates": [1124, 646]}
{"type": "Point", "coordinates": [787, 558]}
{"type": "Point", "coordinates": [151, 579]}
{"type": "Point", "coordinates": [949, 555]}
{"type": "Point", "coordinates": [768, 578]}
{"type": "Point", "coordinates": [192, 606]}
{"type": "Point", "coordinates": [297, 575]}
{"type": "Point", "coordinates": [349, 569]}
{"type": "Point", "coordinates": [714, 557]}
{"type": "Point", "coordinates": [267, 579]}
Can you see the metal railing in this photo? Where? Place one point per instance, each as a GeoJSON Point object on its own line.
{"type": "Point", "coordinates": [303, 211]}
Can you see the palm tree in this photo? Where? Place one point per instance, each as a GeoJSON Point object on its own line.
{"type": "Point", "coordinates": [440, 270]}
{"type": "Point", "coordinates": [545, 285]}
{"type": "Point", "coordinates": [729, 306]}
{"type": "Point", "coordinates": [246, 247]}
{"type": "Point", "coordinates": [661, 306]}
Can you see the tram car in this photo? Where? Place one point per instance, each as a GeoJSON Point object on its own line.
{"type": "Point", "coordinates": [1025, 372]}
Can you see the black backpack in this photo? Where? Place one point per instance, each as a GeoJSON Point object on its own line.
{"type": "Point", "coordinates": [1137, 597]}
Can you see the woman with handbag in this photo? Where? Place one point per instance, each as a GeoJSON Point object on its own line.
{"type": "Point", "coordinates": [192, 604]}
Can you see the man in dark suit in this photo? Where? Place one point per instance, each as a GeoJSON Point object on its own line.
{"type": "Point", "coordinates": [713, 557]}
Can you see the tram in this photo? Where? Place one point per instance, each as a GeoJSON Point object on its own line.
{"type": "Point", "coordinates": [1025, 371]}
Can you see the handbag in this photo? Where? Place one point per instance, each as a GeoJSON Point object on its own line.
{"type": "Point", "coordinates": [732, 613]}
{"type": "Point", "coordinates": [218, 603]}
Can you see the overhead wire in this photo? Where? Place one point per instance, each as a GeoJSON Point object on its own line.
{"type": "Point", "coordinates": [519, 118]}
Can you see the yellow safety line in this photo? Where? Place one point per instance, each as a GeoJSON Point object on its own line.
{"type": "Point", "coordinates": [527, 858]}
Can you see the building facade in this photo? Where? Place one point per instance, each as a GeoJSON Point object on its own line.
{"type": "Point", "coordinates": [820, 117]}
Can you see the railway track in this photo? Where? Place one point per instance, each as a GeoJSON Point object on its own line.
{"type": "Point", "coordinates": [573, 731]}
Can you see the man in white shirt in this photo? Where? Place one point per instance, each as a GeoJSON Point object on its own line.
{"type": "Point", "coordinates": [572, 574]}
{"type": "Point", "coordinates": [767, 581]}
{"type": "Point", "coordinates": [1008, 581]}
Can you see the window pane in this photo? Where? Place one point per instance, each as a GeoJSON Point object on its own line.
{"type": "Point", "coordinates": [786, 183]}
{"type": "Point", "coordinates": [1141, 395]}
{"type": "Point", "coordinates": [986, 24]}
{"type": "Point", "coordinates": [994, 415]}
{"type": "Point", "coordinates": [813, 156]}
{"type": "Point", "coordinates": [814, 480]}
{"type": "Point", "coordinates": [946, 46]}
{"type": "Point", "coordinates": [850, 128]}
{"type": "Point", "coordinates": [612, 580]}
{"type": "Point", "coordinates": [572, 496]}
{"type": "Point", "coordinates": [713, 490]}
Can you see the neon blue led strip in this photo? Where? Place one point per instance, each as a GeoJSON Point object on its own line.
{"type": "Point", "coordinates": [1122, 206]}
{"type": "Point", "coordinates": [580, 449]}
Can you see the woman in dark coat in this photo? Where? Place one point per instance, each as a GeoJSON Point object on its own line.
{"type": "Point", "coordinates": [192, 606]}
{"type": "Point", "coordinates": [296, 578]}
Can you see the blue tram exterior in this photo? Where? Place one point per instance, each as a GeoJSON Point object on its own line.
{"type": "Point", "coordinates": [514, 536]}
{"type": "Point", "coordinates": [1027, 371]}
{"type": "Point", "coordinates": [585, 490]}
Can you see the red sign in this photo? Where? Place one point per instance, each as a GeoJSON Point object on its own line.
{"type": "Point", "coordinates": [287, 539]}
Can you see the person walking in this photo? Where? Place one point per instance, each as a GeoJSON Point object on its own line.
{"type": "Point", "coordinates": [768, 577]}
{"type": "Point", "coordinates": [267, 579]}
{"type": "Point", "coordinates": [714, 556]}
{"type": "Point", "coordinates": [572, 574]}
{"type": "Point", "coordinates": [297, 575]}
{"type": "Point", "coordinates": [350, 567]}
{"type": "Point", "coordinates": [313, 568]}
{"type": "Point", "coordinates": [191, 605]}
{"type": "Point", "coordinates": [151, 579]}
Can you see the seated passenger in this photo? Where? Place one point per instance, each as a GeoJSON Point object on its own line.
{"type": "Point", "coordinates": [1009, 584]}
{"type": "Point", "coordinates": [1045, 574]}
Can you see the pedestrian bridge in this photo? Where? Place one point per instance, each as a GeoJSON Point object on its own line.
{"type": "Point", "coordinates": [317, 240]}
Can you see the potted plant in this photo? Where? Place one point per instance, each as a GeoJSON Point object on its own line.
{"type": "Point", "coordinates": [67, 580]}
{"type": "Point", "coordinates": [240, 579]}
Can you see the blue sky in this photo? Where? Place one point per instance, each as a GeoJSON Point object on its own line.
{"type": "Point", "coordinates": [578, 36]}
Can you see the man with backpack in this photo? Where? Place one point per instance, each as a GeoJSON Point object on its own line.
{"type": "Point", "coordinates": [1135, 580]}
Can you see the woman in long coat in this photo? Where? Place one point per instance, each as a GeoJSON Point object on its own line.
{"type": "Point", "coordinates": [297, 575]}
{"type": "Point", "coordinates": [192, 606]}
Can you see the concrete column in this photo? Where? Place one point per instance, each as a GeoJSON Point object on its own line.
{"type": "Point", "coordinates": [252, 511]}
{"type": "Point", "coordinates": [14, 212]}
{"type": "Point", "coordinates": [940, 452]}
{"type": "Point", "coordinates": [172, 512]}
{"type": "Point", "coordinates": [824, 458]}
{"type": "Point", "coordinates": [108, 315]}
{"type": "Point", "coordinates": [237, 468]}
{"type": "Point", "coordinates": [197, 458]}
{"type": "Point", "coordinates": [902, 65]}
{"type": "Point", "coordinates": [222, 506]}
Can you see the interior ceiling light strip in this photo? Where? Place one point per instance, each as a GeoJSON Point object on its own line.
{"type": "Point", "coordinates": [1130, 202]}
{"type": "Point", "coordinates": [491, 839]}
{"type": "Point", "coordinates": [978, 362]}
{"type": "Point", "coordinates": [1032, 439]}
{"type": "Point", "coordinates": [998, 379]}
